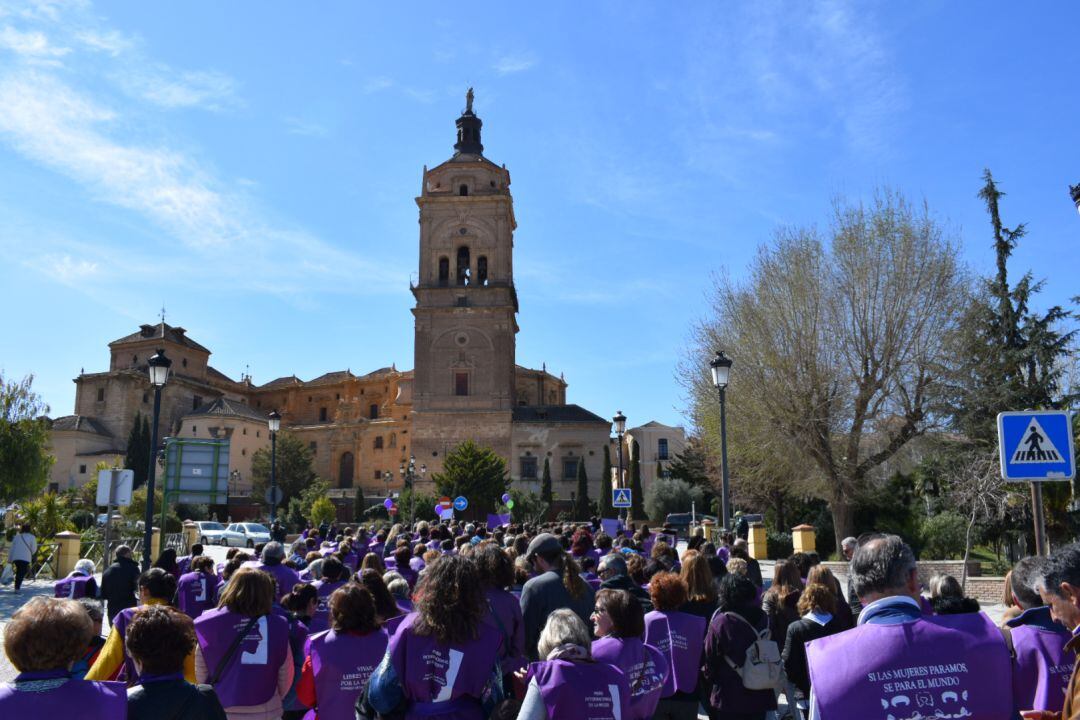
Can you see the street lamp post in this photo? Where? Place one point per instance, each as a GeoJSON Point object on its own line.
{"type": "Point", "coordinates": [620, 428]}
{"type": "Point", "coordinates": [408, 475]}
{"type": "Point", "coordinates": [721, 369]}
{"type": "Point", "coordinates": [159, 374]}
{"type": "Point", "coordinates": [274, 421]}
{"type": "Point", "coordinates": [387, 476]}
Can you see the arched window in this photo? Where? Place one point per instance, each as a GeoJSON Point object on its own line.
{"type": "Point", "coordinates": [481, 270]}
{"type": "Point", "coordinates": [345, 470]}
{"type": "Point", "coordinates": [463, 265]}
{"type": "Point", "coordinates": [463, 190]}
{"type": "Point", "coordinates": [444, 271]}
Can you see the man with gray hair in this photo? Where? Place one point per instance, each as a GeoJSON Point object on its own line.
{"type": "Point", "coordinates": [899, 659]}
{"type": "Point", "coordinates": [271, 562]}
{"type": "Point", "coordinates": [1060, 589]}
{"type": "Point", "coordinates": [847, 547]}
{"type": "Point", "coordinates": [614, 575]}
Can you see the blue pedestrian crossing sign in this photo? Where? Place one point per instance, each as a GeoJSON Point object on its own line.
{"type": "Point", "coordinates": [620, 497]}
{"type": "Point", "coordinates": [1036, 445]}
{"type": "Point", "coordinates": [460, 503]}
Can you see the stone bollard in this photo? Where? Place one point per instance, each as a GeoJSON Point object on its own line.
{"type": "Point", "coordinates": [191, 534]}
{"type": "Point", "coordinates": [757, 541]}
{"type": "Point", "coordinates": [803, 538]}
{"type": "Point", "coordinates": [69, 547]}
{"type": "Point", "coordinates": [155, 545]}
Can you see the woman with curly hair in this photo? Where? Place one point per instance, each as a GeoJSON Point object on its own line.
{"type": "Point", "coordinates": [443, 659]}
{"type": "Point", "coordinates": [817, 608]}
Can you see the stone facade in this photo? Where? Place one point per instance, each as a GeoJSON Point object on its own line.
{"type": "Point", "coordinates": [466, 384]}
{"type": "Point", "coordinates": [659, 445]}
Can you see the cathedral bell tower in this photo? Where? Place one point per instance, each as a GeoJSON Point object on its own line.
{"type": "Point", "coordinates": [466, 305]}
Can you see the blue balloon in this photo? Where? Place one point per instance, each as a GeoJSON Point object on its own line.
{"type": "Point", "coordinates": [388, 503]}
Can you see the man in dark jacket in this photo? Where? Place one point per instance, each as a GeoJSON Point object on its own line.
{"type": "Point", "coordinates": [615, 576]}
{"type": "Point", "coordinates": [120, 582]}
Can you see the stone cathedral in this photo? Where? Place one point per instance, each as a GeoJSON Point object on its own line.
{"type": "Point", "coordinates": [466, 383]}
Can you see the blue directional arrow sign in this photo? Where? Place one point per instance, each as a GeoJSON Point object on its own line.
{"type": "Point", "coordinates": [620, 497]}
{"type": "Point", "coordinates": [1036, 445]}
{"type": "Point", "coordinates": [460, 503]}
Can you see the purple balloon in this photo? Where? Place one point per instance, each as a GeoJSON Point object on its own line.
{"type": "Point", "coordinates": [506, 497]}
{"type": "Point", "coordinates": [388, 503]}
{"type": "Point", "coordinates": [438, 510]}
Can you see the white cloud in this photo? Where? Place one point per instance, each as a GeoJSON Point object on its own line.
{"type": "Point", "coordinates": [64, 269]}
{"type": "Point", "coordinates": [111, 42]}
{"type": "Point", "coordinates": [298, 126]}
{"type": "Point", "coordinates": [32, 44]}
{"type": "Point", "coordinates": [509, 64]}
{"type": "Point", "coordinates": [165, 87]}
{"type": "Point", "coordinates": [378, 83]}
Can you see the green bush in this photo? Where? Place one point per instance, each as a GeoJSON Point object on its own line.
{"type": "Point", "coordinates": [669, 495]}
{"type": "Point", "coordinates": [942, 536]}
{"type": "Point", "coordinates": [779, 544]}
{"type": "Point", "coordinates": [82, 519]}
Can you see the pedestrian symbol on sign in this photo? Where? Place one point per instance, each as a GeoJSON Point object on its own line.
{"type": "Point", "coordinates": [1035, 446]}
{"type": "Point", "coordinates": [620, 497]}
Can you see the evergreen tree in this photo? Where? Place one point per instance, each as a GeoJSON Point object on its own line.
{"type": "Point", "coordinates": [581, 503]}
{"type": "Point", "coordinates": [1012, 355]}
{"type": "Point", "coordinates": [476, 472]}
{"type": "Point", "coordinates": [606, 511]}
{"type": "Point", "coordinates": [637, 498]}
{"type": "Point", "coordinates": [294, 472]}
{"type": "Point", "coordinates": [137, 455]}
{"type": "Point", "coordinates": [358, 505]}
{"type": "Point", "coordinates": [659, 470]}
{"type": "Point", "coordinates": [24, 441]}
{"type": "Point", "coordinates": [691, 465]}
{"type": "Point", "coordinates": [545, 484]}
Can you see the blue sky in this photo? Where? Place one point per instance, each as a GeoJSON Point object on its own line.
{"type": "Point", "coordinates": [252, 165]}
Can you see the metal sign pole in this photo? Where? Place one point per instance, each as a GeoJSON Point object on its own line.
{"type": "Point", "coordinates": [1039, 517]}
{"type": "Point", "coordinates": [114, 477]}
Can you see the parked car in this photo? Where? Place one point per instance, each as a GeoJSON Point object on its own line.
{"type": "Point", "coordinates": [245, 535]}
{"type": "Point", "coordinates": [681, 522]}
{"type": "Point", "coordinates": [210, 532]}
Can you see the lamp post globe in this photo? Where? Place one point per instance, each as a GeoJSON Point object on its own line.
{"type": "Point", "coordinates": [1074, 193]}
{"type": "Point", "coordinates": [721, 371]}
{"type": "Point", "coordinates": [273, 421]}
{"type": "Point", "coordinates": [158, 369]}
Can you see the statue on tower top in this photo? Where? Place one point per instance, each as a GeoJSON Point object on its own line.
{"type": "Point", "coordinates": [468, 101]}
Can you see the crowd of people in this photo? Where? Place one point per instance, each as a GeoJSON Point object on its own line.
{"type": "Point", "coordinates": [463, 622]}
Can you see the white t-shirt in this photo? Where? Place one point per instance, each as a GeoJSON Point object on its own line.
{"type": "Point", "coordinates": [23, 547]}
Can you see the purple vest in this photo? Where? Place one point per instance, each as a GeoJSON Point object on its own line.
{"type": "Point", "coordinates": [283, 575]}
{"type": "Point", "coordinates": [81, 699]}
{"type": "Point", "coordinates": [409, 574]}
{"type": "Point", "coordinates": [1042, 668]}
{"type": "Point", "coordinates": [183, 564]}
{"type": "Point", "coordinates": [444, 680]}
{"type": "Point", "coordinates": [120, 623]}
{"type": "Point", "coordinates": [681, 638]}
{"type": "Point", "coordinates": [952, 665]}
{"type": "Point", "coordinates": [196, 593]}
{"type": "Point", "coordinates": [507, 619]}
{"type": "Point", "coordinates": [592, 690]}
{"type": "Point", "coordinates": [645, 667]}
{"type": "Point", "coordinates": [72, 587]}
{"type": "Point", "coordinates": [342, 665]}
{"type": "Point", "coordinates": [250, 678]}
{"type": "Point", "coordinates": [320, 619]}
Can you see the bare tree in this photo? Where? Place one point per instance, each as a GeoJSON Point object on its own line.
{"type": "Point", "coordinates": [838, 347]}
{"type": "Point", "coordinates": [979, 492]}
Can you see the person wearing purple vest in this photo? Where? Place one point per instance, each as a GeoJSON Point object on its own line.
{"type": "Point", "coordinates": [253, 675]}
{"type": "Point", "coordinates": [568, 682]}
{"type": "Point", "coordinates": [898, 662]}
{"type": "Point", "coordinates": [79, 584]}
{"type": "Point", "coordinates": [157, 586]}
{"type": "Point", "coordinates": [443, 660]}
{"type": "Point", "coordinates": [273, 555]}
{"type": "Point", "coordinates": [402, 556]}
{"type": "Point", "coordinates": [1041, 664]}
{"type": "Point", "coordinates": [334, 575]}
{"type": "Point", "coordinates": [340, 660]}
{"type": "Point", "coordinates": [619, 624]}
{"type": "Point", "coordinates": [504, 610]}
{"type": "Point", "coordinates": [43, 639]}
{"type": "Point", "coordinates": [183, 564]}
{"type": "Point", "coordinates": [197, 591]}
{"type": "Point", "coordinates": [1059, 588]}
{"type": "Point", "coordinates": [681, 638]}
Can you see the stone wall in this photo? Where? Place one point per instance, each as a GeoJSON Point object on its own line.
{"type": "Point", "coordinates": [927, 569]}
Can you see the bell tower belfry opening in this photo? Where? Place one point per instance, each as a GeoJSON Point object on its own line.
{"type": "Point", "coordinates": [466, 304]}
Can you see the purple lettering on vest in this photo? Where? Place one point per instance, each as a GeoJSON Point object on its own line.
{"type": "Point", "coordinates": [81, 699]}
{"type": "Point", "coordinates": [1042, 668]}
{"type": "Point", "coordinates": [72, 587]}
{"type": "Point", "coordinates": [645, 667]}
{"type": "Point", "coordinates": [251, 675]}
{"type": "Point", "coordinates": [934, 666]}
{"type": "Point", "coordinates": [342, 665]}
{"type": "Point", "coordinates": [196, 593]}
{"type": "Point", "coordinates": [681, 638]}
{"type": "Point", "coordinates": [433, 673]}
{"type": "Point", "coordinates": [320, 620]}
{"type": "Point", "coordinates": [585, 690]}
